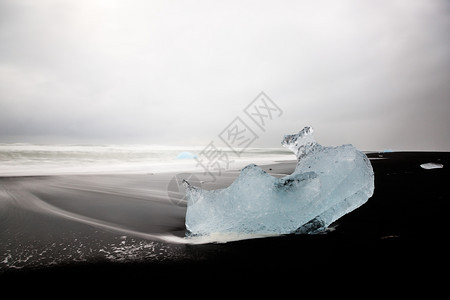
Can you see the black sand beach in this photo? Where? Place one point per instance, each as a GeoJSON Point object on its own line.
{"type": "Point", "coordinates": [129, 229]}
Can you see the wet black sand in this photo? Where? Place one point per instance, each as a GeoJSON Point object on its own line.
{"type": "Point", "coordinates": [115, 228]}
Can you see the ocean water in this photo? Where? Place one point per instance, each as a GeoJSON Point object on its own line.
{"type": "Point", "coordinates": [18, 159]}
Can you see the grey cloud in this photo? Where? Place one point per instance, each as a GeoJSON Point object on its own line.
{"type": "Point", "coordinates": [372, 74]}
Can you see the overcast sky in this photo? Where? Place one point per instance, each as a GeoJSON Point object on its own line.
{"type": "Point", "coordinates": [375, 74]}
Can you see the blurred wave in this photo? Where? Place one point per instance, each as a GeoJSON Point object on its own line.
{"type": "Point", "coordinates": [21, 159]}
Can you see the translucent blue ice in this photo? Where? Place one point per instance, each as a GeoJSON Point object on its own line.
{"type": "Point", "coordinates": [328, 182]}
{"type": "Point", "coordinates": [186, 155]}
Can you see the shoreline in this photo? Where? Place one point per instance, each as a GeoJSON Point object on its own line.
{"type": "Point", "coordinates": [54, 226]}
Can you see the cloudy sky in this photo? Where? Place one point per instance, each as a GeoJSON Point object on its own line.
{"type": "Point", "coordinates": [375, 74]}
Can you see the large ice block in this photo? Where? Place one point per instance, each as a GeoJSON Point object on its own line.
{"type": "Point", "coordinates": [328, 182]}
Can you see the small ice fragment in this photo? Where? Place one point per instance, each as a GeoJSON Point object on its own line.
{"type": "Point", "coordinates": [186, 155]}
{"type": "Point", "coordinates": [429, 166]}
{"type": "Point", "coordinates": [327, 183]}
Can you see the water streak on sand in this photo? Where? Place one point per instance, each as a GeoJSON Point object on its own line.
{"type": "Point", "coordinates": [27, 200]}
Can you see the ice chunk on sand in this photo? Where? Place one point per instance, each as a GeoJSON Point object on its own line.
{"type": "Point", "coordinates": [429, 166]}
{"type": "Point", "coordinates": [327, 183]}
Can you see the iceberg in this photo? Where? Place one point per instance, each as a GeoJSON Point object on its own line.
{"type": "Point", "coordinates": [429, 166]}
{"type": "Point", "coordinates": [186, 155]}
{"type": "Point", "coordinates": [327, 183]}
